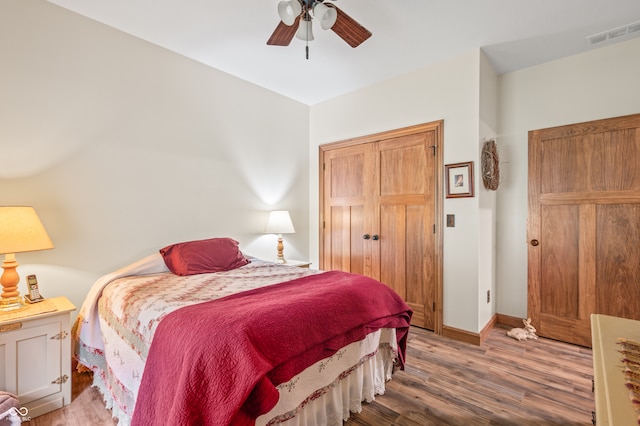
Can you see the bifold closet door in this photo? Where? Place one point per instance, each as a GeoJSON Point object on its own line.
{"type": "Point", "coordinates": [379, 219]}
{"type": "Point", "coordinates": [349, 183]}
{"type": "Point", "coordinates": [407, 221]}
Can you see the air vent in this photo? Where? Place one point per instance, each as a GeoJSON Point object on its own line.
{"type": "Point", "coordinates": [633, 28]}
{"type": "Point", "coordinates": [614, 33]}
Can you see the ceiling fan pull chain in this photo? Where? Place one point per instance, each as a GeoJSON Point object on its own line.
{"type": "Point", "coordinates": [306, 48]}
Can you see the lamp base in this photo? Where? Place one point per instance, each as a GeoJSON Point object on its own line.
{"type": "Point", "coordinates": [10, 299]}
{"type": "Point", "coordinates": [280, 258]}
{"type": "Point", "coordinates": [10, 304]}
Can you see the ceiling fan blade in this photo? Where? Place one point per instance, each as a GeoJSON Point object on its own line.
{"type": "Point", "coordinates": [283, 34]}
{"type": "Point", "coordinates": [349, 30]}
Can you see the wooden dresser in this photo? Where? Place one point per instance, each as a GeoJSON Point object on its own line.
{"type": "Point", "coordinates": [613, 406]}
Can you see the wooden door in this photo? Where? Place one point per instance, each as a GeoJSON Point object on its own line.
{"type": "Point", "coordinates": [379, 214]}
{"type": "Point", "coordinates": [407, 236]}
{"type": "Point", "coordinates": [349, 190]}
{"type": "Point", "coordinates": [584, 226]}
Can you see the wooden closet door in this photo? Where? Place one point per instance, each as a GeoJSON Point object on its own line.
{"type": "Point", "coordinates": [380, 214]}
{"type": "Point", "coordinates": [350, 177]}
{"type": "Point", "coordinates": [584, 226]}
{"type": "Point", "coordinates": [407, 220]}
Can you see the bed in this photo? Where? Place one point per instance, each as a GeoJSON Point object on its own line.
{"type": "Point", "coordinates": [199, 333]}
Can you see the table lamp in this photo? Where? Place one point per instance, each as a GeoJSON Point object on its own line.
{"type": "Point", "coordinates": [280, 223]}
{"type": "Point", "coordinates": [20, 231]}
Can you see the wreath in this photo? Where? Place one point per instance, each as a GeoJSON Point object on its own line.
{"type": "Point", "coordinates": [490, 161]}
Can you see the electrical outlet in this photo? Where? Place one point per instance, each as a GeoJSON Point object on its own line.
{"type": "Point", "coordinates": [488, 296]}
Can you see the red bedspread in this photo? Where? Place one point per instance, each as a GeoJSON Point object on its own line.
{"type": "Point", "coordinates": [217, 363]}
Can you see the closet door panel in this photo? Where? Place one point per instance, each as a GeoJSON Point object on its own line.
{"type": "Point", "coordinates": [403, 166]}
{"type": "Point", "coordinates": [618, 254]}
{"type": "Point", "coordinates": [393, 248]}
{"type": "Point", "coordinates": [420, 265]}
{"type": "Point", "coordinates": [348, 182]}
{"type": "Point", "coordinates": [560, 277]}
{"type": "Point", "coordinates": [406, 267]}
{"type": "Point", "coordinates": [345, 243]}
{"type": "Point", "coordinates": [406, 222]}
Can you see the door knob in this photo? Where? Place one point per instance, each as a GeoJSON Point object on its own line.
{"type": "Point", "coordinates": [375, 237]}
{"type": "Point", "coordinates": [366, 236]}
{"type": "Point", "coordinates": [535, 242]}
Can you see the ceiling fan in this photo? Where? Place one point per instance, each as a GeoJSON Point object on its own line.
{"type": "Point", "coordinates": [296, 16]}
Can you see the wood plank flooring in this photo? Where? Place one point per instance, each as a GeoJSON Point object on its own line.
{"type": "Point", "coordinates": [503, 382]}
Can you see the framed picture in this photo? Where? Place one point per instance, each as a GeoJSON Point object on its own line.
{"type": "Point", "coordinates": [459, 179]}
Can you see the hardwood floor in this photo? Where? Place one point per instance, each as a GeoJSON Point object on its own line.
{"type": "Point", "coordinates": [503, 382]}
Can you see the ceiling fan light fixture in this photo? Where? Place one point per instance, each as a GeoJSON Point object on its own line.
{"type": "Point", "coordinates": [325, 14]}
{"type": "Point", "coordinates": [296, 17]}
{"type": "Point", "coordinates": [305, 30]}
{"type": "Point", "coordinates": [289, 10]}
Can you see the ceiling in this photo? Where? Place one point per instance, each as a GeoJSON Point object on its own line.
{"type": "Point", "coordinates": [407, 34]}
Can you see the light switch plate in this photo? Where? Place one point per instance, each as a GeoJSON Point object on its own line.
{"type": "Point", "coordinates": [451, 220]}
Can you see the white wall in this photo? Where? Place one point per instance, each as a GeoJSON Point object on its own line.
{"type": "Point", "coordinates": [487, 248]}
{"type": "Point", "coordinates": [449, 91]}
{"type": "Point", "coordinates": [487, 262]}
{"type": "Point", "coordinates": [598, 84]}
{"type": "Point", "coordinates": [123, 147]}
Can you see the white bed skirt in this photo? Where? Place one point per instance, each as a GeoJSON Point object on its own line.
{"type": "Point", "coordinates": [337, 404]}
{"type": "Point", "coordinates": [315, 398]}
{"type": "Point", "coordinates": [358, 373]}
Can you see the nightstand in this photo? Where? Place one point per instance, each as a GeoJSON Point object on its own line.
{"type": "Point", "coordinates": [35, 354]}
{"type": "Point", "coordinates": [298, 263]}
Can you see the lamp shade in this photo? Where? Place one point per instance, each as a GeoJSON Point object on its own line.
{"type": "Point", "coordinates": [279, 223]}
{"type": "Point", "coordinates": [21, 231]}
{"type": "Point", "coordinates": [305, 30]}
{"type": "Point", "coordinates": [289, 10]}
{"type": "Point", "coordinates": [326, 15]}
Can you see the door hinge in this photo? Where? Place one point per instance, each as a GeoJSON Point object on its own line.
{"type": "Point", "coordinates": [60, 380]}
{"type": "Point", "coordinates": [434, 148]}
{"type": "Point", "coordinates": [434, 306]}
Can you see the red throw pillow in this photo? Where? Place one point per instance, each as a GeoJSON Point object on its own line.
{"type": "Point", "coordinates": [203, 256]}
